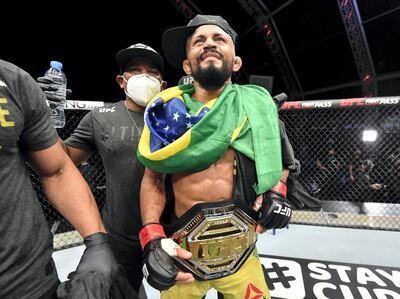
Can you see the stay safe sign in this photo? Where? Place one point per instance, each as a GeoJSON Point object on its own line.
{"type": "Point", "coordinates": [292, 278]}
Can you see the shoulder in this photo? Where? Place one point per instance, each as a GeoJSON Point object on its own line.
{"type": "Point", "coordinates": [253, 88]}
{"type": "Point", "coordinates": [253, 91]}
{"type": "Point", "coordinates": [18, 84]}
{"type": "Point", "coordinates": [9, 68]}
{"type": "Point", "coordinates": [11, 76]}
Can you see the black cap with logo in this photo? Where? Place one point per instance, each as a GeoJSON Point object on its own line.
{"type": "Point", "coordinates": [124, 56]}
{"type": "Point", "coordinates": [174, 39]}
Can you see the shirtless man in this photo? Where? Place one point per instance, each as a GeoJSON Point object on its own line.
{"type": "Point", "coordinates": [205, 165]}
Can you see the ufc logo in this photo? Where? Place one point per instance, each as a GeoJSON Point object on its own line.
{"type": "Point", "coordinates": [285, 211]}
{"type": "Point", "coordinates": [3, 113]}
{"type": "Point", "coordinates": [101, 110]}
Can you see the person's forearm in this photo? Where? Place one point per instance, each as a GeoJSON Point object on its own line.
{"type": "Point", "coordinates": [77, 155]}
{"type": "Point", "coordinates": [69, 193]}
{"type": "Point", "coordinates": [152, 198]}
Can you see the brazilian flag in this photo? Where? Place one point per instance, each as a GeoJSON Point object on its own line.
{"type": "Point", "coordinates": [182, 134]}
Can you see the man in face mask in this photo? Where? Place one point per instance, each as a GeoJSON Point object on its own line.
{"type": "Point", "coordinates": [114, 132]}
{"type": "Point", "coordinates": [141, 76]}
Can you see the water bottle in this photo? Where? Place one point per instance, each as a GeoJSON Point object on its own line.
{"type": "Point", "coordinates": [56, 74]}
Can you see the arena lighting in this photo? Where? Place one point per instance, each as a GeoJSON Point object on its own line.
{"type": "Point", "coordinates": [369, 135]}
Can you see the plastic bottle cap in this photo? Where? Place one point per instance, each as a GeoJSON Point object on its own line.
{"type": "Point", "coordinates": [56, 64]}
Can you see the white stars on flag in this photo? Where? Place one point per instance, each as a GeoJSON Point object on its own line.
{"type": "Point", "coordinates": [188, 115]}
{"type": "Point", "coordinates": [166, 128]}
{"type": "Point", "coordinates": [176, 116]}
{"type": "Point", "coordinates": [188, 125]}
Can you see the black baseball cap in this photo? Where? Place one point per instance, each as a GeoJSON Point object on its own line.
{"type": "Point", "coordinates": [124, 56]}
{"type": "Point", "coordinates": [174, 39]}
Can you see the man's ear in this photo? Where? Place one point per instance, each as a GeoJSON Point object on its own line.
{"type": "Point", "coordinates": [237, 63]}
{"type": "Point", "coordinates": [120, 81]}
{"type": "Point", "coordinates": [186, 67]}
{"type": "Point", "coordinates": [164, 85]}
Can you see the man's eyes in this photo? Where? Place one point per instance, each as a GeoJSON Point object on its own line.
{"type": "Point", "coordinates": [133, 70]}
{"type": "Point", "coordinates": [197, 41]}
{"type": "Point", "coordinates": [217, 39]}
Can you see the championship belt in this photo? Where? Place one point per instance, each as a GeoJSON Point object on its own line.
{"type": "Point", "coordinates": [220, 236]}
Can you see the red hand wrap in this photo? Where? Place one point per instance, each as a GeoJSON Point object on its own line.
{"type": "Point", "coordinates": [280, 188]}
{"type": "Point", "coordinates": [150, 232]}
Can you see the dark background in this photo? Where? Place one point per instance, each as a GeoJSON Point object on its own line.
{"type": "Point", "coordinates": [85, 37]}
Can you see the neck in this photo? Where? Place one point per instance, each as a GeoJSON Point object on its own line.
{"type": "Point", "coordinates": [132, 106]}
{"type": "Point", "coordinates": [204, 95]}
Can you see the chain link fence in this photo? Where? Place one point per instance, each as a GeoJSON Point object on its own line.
{"type": "Point", "coordinates": [350, 159]}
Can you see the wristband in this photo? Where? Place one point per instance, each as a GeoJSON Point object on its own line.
{"type": "Point", "coordinates": [280, 188]}
{"type": "Point", "coordinates": [150, 232]}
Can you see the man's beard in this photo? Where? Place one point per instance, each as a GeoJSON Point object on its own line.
{"type": "Point", "coordinates": [212, 78]}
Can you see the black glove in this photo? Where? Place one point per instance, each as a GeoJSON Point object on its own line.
{"type": "Point", "coordinates": [98, 257]}
{"type": "Point", "coordinates": [275, 211]}
{"type": "Point", "coordinates": [48, 87]}
{"type": "Point", "coordinates": [158, 266]}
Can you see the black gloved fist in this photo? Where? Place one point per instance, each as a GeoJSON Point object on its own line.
{"type": "Point", "coordinates": [275, 211]}
{"type": "Point", "coordinates": [158, 266]}
{"type": "Point", "coordinates": [98, 257]}
{"type": "Point", "coordinates": [49, 88]}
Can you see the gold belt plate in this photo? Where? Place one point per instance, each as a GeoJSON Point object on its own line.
{"type": "Point", "coordinates": [220, 240]}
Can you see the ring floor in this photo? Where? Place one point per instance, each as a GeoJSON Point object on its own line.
{"type": "Point", "coordinates": [345, 245]}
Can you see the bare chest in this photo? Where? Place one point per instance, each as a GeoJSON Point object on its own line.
{"type": "Point", "coordinates": [212, 184]}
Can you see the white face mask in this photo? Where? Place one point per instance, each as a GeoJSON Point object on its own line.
{"type": "Point", "coordinates": [142, 88]}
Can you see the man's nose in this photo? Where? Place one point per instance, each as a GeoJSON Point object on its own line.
{"type": "Point", "coordinates": [209, 43]}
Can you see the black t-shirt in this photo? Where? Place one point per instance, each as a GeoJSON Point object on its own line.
{"type": "Point", "coordinates": [26, 244]}
{"type": "Point", "coordinates": [115, 133]}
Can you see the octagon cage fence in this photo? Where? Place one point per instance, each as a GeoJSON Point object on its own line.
{"type": "Point", "coordinates": [349, 152]}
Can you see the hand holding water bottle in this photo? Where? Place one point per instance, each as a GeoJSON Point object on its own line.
{"type": "Point", "coordinates": [54, 84]}
{"type": "Point", "coordinates": [49, 87]}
